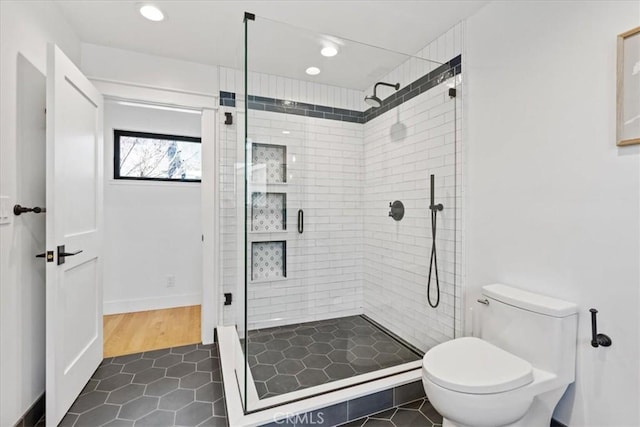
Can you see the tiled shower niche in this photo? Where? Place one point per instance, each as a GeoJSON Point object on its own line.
{"type": "Point", "coordinates": [268, 260]}
{"type": "Point", "coordinates": [268, 212]}
{"type": "Point", "coordinates": [269, 163]}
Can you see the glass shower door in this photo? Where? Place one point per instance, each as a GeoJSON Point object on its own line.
{"type": "Point", "coordinates": [336, 289]}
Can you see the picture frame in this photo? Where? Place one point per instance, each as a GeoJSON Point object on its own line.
{"type": "Point", "coordinates": [628, 88]}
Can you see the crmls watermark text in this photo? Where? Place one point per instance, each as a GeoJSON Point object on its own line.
{"type": "Point", "coordinates": [308, 418]}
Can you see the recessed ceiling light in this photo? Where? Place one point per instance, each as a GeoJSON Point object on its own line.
{"type": "Point", "coordinates": [329, 51]}
{"type": "Point", "coordinates": [151, 12]}
{"type": "Point", "coordinates": [313, 71]}
{"type": "Point", "coordinates": [286, 132]}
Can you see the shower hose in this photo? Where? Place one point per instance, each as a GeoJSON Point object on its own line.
{"type": "Point", "coordinates": [433, 263]}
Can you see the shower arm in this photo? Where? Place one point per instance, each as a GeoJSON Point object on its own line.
{"type": "Point", "coordinates": [375, 88]}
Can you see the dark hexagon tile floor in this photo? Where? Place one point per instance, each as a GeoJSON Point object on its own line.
{"type": "Point", "coordinates": [180, 386]}
{"type": "Point", "coordinates": [415, 414]}
{"type": "Point", "coordinates": [293, 357]}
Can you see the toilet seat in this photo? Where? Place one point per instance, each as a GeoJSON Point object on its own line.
{"type": "Point", "coordinates": [472, 365]}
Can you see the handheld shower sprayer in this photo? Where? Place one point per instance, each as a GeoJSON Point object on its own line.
{"type": "Point", "coordinates": [433, 206]}
{"type": "Point", "coordinates": [433, 262]}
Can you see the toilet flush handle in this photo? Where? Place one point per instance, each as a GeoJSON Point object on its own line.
{"type": "Point", "coordinates": [483, 301]}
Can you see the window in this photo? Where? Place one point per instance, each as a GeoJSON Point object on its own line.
{"type": "Point", "coordinates": [157, 157]}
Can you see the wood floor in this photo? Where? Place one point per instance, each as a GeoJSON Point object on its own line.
{"type": "Point", "coordinates": [129, 333]}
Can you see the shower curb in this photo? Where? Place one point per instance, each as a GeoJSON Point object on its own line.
{"type": "Point", "coordinates": [341, 405]}
{"type": "Point", "coordinates": [355, 409]}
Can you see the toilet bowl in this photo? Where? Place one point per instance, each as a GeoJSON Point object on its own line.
{"type": "Point", "coordinates": [509, 376]}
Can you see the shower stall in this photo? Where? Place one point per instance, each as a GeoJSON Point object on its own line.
{"type": "Point", "coordinates": [326, 288]}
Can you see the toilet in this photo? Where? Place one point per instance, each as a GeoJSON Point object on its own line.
{"type": "Point", "coordinates": [515, 371]}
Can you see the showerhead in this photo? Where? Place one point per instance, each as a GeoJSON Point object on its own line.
{"type": "Point", "coordinates": [373, 100]}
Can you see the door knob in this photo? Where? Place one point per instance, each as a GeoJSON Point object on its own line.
{"type": "Point", "coordinates": [48, 255]}
{"type": "Point", "coordinates": [62, 254]}
{"type": "Point", "coordinates": [17, 210]}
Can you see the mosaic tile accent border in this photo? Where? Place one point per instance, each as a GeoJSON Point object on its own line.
{"type": "Point", "coordinates": [433, 78]}
{"type": "Point", "coordinates": [268, 212]}
{"type": "Point", "coordinates": [268, 260]}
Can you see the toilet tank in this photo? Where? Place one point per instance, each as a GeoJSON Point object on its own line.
{"type": "Point", "coordinates": [537, 328]}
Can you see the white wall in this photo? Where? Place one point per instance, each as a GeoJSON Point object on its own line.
{"type": "Point", "coordinates": [101, 62]}
{"type": "Point", "coordinates": [153, 229]}
{"type": "Point", "coordinates": [25, 30]}
{"type": "Point", "coordinates": [553, 203]}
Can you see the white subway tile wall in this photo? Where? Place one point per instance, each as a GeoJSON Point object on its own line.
{"type": "Point", "coordinates": [324, 179]}
{"type": "Point", "coordinates": [402, 148]}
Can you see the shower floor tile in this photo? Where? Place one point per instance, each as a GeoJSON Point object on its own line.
{"type": "Point", "coordinates": [294, 357]}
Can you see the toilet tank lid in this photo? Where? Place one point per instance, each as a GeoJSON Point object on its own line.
{"type": "Point", "coordinates": [529, 300]}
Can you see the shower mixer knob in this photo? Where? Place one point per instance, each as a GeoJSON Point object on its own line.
{"type": "Point", "coordinates": [397, 210]}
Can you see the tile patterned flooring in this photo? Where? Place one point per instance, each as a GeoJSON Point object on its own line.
{"type": "Point", "coordinates": [419, 413]}
{"type": "Point", "coordinates": [182, 386]}
{"type": "Point", "coordinates": [294, 357]}
{"type": "Point", "coordinates": [179, 386]}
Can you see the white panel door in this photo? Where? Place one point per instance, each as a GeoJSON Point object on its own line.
{"type": "Point", "coordinates": [74, 215]}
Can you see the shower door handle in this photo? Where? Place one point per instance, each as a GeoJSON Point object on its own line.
{"type": "Point", "coordinates": [300, 221]}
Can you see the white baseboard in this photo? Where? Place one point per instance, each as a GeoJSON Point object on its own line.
{"type": "Point", "coordinates": [154, 303]}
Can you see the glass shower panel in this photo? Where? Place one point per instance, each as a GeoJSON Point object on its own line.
{"type": "Point", "coordinates": [231, 171]}
{"type": "Point", "coordinates": [336, 289]}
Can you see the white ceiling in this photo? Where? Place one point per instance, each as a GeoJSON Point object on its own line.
{"type": "Point", "coordinates": [211, 32]}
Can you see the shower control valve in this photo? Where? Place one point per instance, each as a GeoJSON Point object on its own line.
{"type": "Point", "coordinates": [397, 210]}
